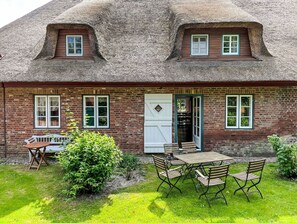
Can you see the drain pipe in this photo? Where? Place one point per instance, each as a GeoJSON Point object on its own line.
{"type": "Point", "coordinates": [4, 121]}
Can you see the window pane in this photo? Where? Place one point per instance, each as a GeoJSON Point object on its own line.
{"type": "Point", "coordinates": [234, 44]}
{"type": "Point", "coordinates": [245, 122]}
{"type": "Point", "coordinates": [195, 39]}
{"type": "Point", "coordinates": [41, 101]}
{"type": "Point", "coordinates": [245, 111]}
{"type": "Point", "coordinates": [102, 111]}
{"type": "Point", "coordinates": [89, 111]}
{"type": "Point", "coordinates": [90, 101]}
{"type": "Point", "coordinates": [70, 45]}
{"type": "Point", "coordinates": [41, 111]}
{"type": "Point", "coordinates": [54, 121]}
{"type": "Point", "coordinates": [71, 51]}
{"type": "Point", "coordinates": [231, 111]}
{"type": "Point", "coordinates": [231, 122]}
{"type": "Point", "coordinates": [226, 45]}
{"type": "Point", "coordinates": [203, 39]}
{"type": "Point", "coordinates": [78, 39]}
{"type": "Point", "coordinates": [70, 39]}
{"type": "Point", "coordinates": [90, 121]}
{"type": "Point", "coordinates": [226, 38]}
{"type": "Point", "coordinates": [54, 111]}
{"type": "Point", "coordinates": [78, 51]}
{"type": "Point", "coordinates": [102, 121]}
{"type": "Point", "coordinates": [232, 101]}
{"type": "Point", "coordinates": [102, 101]}
{"type": "Point", "coordinates": [234, 38]}
{"type": "Point", "coordinates": [41, 121]}
{"type": "Point", "coordinates": [226, 50]}
{"type": "Point", "coordinates": [54, 101]}
{"type": "Point", "coordinates": [233, 50]}
{"type": "Point", "coordinates": [245, 101]}
{"type": "Point", "coordinates": [78, 45]}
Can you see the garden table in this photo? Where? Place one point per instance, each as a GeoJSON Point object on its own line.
{"type": "Point", "coordinates": [199, 159]}
{"type": "Point", "coordinates": [37, 151]}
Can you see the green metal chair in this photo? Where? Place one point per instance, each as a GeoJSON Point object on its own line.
{"type": "Point", "coordinates": [253, 174]}
{"type": "Point", "coordinates": [217, 176]}
{"type": "Point", "coordinates": [171, 149]}
{"type": "Point", "coordinates": [166, 175]}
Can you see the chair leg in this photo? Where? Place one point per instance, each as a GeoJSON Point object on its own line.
{"type": "Point", "coordinates": [255, 185]}
{"type": "Point", "coordinates": [160, 184]}
{"type": "Point", "coordinates": [241, 188]}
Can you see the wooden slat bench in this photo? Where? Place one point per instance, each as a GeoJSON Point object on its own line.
{"type": "Point", "coordinates": [56, 142]}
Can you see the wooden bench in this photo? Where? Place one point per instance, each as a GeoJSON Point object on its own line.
{"type": "Point", "coordinates": [56, 141]}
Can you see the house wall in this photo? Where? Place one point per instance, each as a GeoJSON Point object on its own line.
{"type": "Point", "coordinates": [274, 112]}
{"type": "Point", "coordinates": [1, 124]}
{"type": "Point", "coordinates": [215, 44]}
{"type": "Point", "coordinates": [61, 44]}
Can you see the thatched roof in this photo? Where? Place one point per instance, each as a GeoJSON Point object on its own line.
{"type": "Point", "coordinates": [139, 41]}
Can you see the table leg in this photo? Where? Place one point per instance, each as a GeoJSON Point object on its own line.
{"type": "Point", "coordinates": [33, 158]}
{"type": "Point", "coordinates": [42, 156]}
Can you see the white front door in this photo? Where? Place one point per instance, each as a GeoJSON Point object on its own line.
{"type": "Point", "coordinates": [157, 122]}
{"type": "Point", "coordinates": [197, 121]}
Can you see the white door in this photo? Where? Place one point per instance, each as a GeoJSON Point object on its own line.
{"type": "Point", "coordinates": [157, 122]}
{"type": "Point", "coordinates": [197, 121]}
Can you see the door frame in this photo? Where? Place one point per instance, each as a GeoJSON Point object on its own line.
{"type": "Point", "coordinates": [201, 115]}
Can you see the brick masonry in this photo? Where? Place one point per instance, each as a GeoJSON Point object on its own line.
{"type": "Point", "coordinates": [275, 111]}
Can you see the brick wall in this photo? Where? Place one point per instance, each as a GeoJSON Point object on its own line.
{"type": "Point", "coordinates": [1, 124]}
{"type": "Point", "coordinates": [274, 112]}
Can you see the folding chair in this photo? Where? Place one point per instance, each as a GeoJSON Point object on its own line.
{"type": "Point", "coordinates": [217, 176]}
{"type": "Point", "coordinates": [256, 166]}
{"type": "Point", "coordinates": [170, 149]}
{"type": "Point", "coordinates": [166, 175]}
{"type": "Point", "coordinates": [189, 147]}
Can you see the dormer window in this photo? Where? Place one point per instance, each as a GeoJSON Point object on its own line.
{"type": "Point", "coordinates": [199, 45]}
{"type": "Point", "coordinates": [230, 45]}
{"type": "Point", "coordinates": [74, 45]}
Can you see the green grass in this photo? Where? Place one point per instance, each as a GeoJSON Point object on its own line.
{"type": "Point", "coordinates": [34, 196]}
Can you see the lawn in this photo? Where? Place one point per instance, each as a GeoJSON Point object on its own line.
{"type": "Point", "coordinates": [35, 196]}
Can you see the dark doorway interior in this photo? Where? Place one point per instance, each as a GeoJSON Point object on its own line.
{"type": "Point", "coordinates": [184, 118]}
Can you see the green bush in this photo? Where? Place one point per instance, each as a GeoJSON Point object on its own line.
{"type": "Point", "coordinates": [88, 162]}
{"type": "Point", "coordinates": [286, 156]}
{"type": "Point", "coordinates": [129, 163]}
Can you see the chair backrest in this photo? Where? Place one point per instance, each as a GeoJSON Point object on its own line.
{"type": "Point", "coordinates": [170, 148]}
{"type": "Point", "coordinates": [30, 140]}
{"type": "Point", "coordinates": [160, 164]}
{"type": "Point", "coordinates": [256, 166]}
{"type": "Point", "coordinates": [189, 147]}
{"type": "Point", "coordinates": [218, 171]}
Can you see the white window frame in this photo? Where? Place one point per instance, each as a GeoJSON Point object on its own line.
{"type": "Point", "coordinates": [237, 49]}
{"type": "Point", "coordinates": [238, 112]}
{"type": "Point", "coordinates": [207, 44]}
{"type": "Point", "coordinates": [82, 46]}
{"type": "Point", "coordinates": [96, 116]}
{"type": "Point", "coordinates": [47, 111]}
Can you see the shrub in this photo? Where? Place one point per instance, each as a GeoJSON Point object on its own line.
{"type": "Point", "coordinates": [286, 156]}
{"type": "Point", "coordinates": [129, 163]}
{"type": "Point", "coordinates": [88, 162]}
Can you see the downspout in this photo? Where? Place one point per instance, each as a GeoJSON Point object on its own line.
{"type": "Point", "coordinates": [4, 115]}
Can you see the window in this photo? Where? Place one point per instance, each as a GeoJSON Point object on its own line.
{"type": "Point", "coordinates": [47, 111]}
{"type": "Point", "coordinates": [74, 45]}
{"type": "Point", "coordinates": [239, 111]}
{"type": "Point", "coordinates": [230, 45]}
{"type": "Point", "coordinates": [96, 111]}
{"type": "Point", "coordinates": [199, 45]}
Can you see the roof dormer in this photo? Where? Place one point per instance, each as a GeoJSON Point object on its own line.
{"type": "Point", "coordinates": [214, 29]}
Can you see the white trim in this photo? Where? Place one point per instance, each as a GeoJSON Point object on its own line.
{"type": "Point", "coordinates": [96, 116]}
{"type": "Point", "coordinates": [237, 48]}
{"type": "Point", "coordinates": [207, 44]}
{"type": "Point", "coordinates": [238, 112]}
{"type": "Point", "coordinates": [47, 111]}
{"type": "Point", "coordinates": [82, 46]}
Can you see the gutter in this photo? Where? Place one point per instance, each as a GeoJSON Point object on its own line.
{"type": "Point", "coordinates": [4, 120]}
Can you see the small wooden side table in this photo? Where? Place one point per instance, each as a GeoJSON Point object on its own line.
{"type": "Point", "coordinates": [35, 149]}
